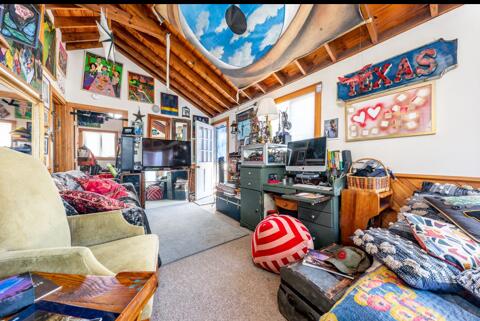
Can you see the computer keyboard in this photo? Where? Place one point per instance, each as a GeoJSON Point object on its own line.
{"type": "Point", "coordinates": [317, 187]}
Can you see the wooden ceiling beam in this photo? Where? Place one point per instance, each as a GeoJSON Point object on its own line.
{"type": "Point", "coordinates": [258, 86]}
{"type": "Point", "coordinates": [63, 6]}
{"type": "Point", "coordinates": [301, 66]}
{"type": "Point", "coordinates": [74, 22]}
{"type": "Point", "coordinates": [131, 36]}
{"type": "Point", "coordinates": [182, 67]}
{"type": "Point", "coordinates": [156, 72]}
{"type": "Point", "coordinates": [244, 93]}
{"type": "Point", "coordinates": [82, 45]}
{"type": "Point", "coordinates": [368, 17]}
{"type": "Point", "coordinates": [80, 36]}
{"type": "Point", "coordinates": [175, 77]}
{"type": "Point", "coordinates": [279, 77]}
{"type": "Point", "coordinates": [331, 52]}
{"type": "Point", "coordinates": [433, 10]}
{"type": "Point", "coordinates": [151, 27]}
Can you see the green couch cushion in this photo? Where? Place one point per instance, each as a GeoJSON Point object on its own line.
{"type": "Point", "coordinates": [32, 215]}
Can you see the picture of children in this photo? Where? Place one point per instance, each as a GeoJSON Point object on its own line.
{"type": "Point", "coordinates": [102, 76]}
{"type": "Point", "coordinates": [331, 128]}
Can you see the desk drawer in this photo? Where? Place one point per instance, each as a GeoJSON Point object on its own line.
{"type": "Point", "coordinates": [321, 235]}
{"type": "Point", "coordinates": [327, 206]}
{"type": "Point", "coordinates": [250, 182]}
{"type": "Point", "coordinates": [321, 218]}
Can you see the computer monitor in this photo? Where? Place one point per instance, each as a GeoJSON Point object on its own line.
{"type": "Point", "coordinates": [307, 155]}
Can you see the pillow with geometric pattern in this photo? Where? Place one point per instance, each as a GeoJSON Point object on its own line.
{"type": "Point", "coordinates": [445, 241]}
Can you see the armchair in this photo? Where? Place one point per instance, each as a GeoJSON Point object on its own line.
{"type": "Point", "coordinates": [36, 234]}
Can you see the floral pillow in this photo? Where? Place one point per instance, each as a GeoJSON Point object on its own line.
{"type": "Point", "coordinates": [410, 262]}
{"type": "Point", "coordinates": [106, 187]}
{"type": "Point", "coordinates": [89, 202]}
{"type": "Point", "coordinates": [445, 241]}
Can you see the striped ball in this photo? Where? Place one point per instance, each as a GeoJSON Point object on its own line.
{"type": "Point", "coordinates": [279, 240]}
{"type": "Point", "coordinates": [154, 193]}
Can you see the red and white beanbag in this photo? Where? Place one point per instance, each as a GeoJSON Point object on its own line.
{"type": "Point", "coordinates": [279, 240]}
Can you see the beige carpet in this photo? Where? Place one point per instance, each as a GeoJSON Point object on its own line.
{"type": "Point", "coordinates": [220, 284]}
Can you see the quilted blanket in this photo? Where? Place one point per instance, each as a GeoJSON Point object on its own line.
{"type": "Point", "coordinates": [381, 296]}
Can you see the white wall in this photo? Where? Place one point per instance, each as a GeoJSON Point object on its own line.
{"type": "Point", "coordinates": [455, 148]}
{"type": "Point", "coordinates": [75, 93]}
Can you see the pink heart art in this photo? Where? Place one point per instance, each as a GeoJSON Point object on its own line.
{"type": "Point", "coordinates": [360, 118]}
{"type": "Point", "coordinates": [374, 111]}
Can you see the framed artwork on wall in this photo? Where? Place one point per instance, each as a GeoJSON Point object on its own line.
{"type": "Point", "coordinates": [402, 112]}
{"type": "Point", "coordinates": [141, 88]}
{"type": "Point", "coordinates": [23, 109]}
{"type": "Point", "coordinates": [46, 92]}
{"type": "Point", "coordinates": [185, 112]}
{"type": "Point", "coordinates": [243, 123]}
{"type": "Point", "coordinates": [21, 23]}
{"type": "Point", "coordinates": [169, 104]}
{"type": "Point", "coordinates": [102, 76]}
{"type": "Point", "coordinates": [181, 129]}
{"type": "Point", "coordinates": [49, 59]}
{"type": "Point", "coordinates": [62, 58]}
{"type": "Point", "coordinates": [330, 128]}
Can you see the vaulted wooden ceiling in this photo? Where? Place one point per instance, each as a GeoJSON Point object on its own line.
{"type": "Point", "coordinates": [140, 35]}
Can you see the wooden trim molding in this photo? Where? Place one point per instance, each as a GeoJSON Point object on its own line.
{"type": "Point", "coordinates": [88, 129]}
{"type": "Point", "coordinates": [405, 184]}
{"type": "Point", "coordinates": [315, 88]}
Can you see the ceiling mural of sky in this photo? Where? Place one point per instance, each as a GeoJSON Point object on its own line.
{"type": "Point", "coordinates": [264, 26]}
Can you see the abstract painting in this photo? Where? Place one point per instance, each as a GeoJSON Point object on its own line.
{"type": "Point", "coordinates": [49, 46]}
{"type": "Point", "coordinates": [102, 76]}
{"type": "Point", "coordinates": [25, 62]}
{"type": "Point", "coordinates": [62, 58]}
{"type": "Point", "coordinates": [141, 88]}
{"type": "Point", "coordinates": [247, 41]}
{"type": "Point", "coordinates": [21, 23]}
{"type": "Point", "coordinates": [398, 113]}
{"type": "Point", "coordinates": [169, 104]}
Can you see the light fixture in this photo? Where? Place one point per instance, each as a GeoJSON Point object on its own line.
{"type": "Point", "coordinates": [268, 108]}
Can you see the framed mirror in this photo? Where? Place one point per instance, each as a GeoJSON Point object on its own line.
{"type": "Point", "coordinates": [181, 129]}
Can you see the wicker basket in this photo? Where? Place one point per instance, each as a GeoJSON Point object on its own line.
{"type": "Point", "coordinates": [376, 184]}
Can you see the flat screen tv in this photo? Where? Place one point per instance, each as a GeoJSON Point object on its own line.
{"type": "Point", "coordinates": [164, 153]}
{"type": "Point", "coordinates": [307, 155]}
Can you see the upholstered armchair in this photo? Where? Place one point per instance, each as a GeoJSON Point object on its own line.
{"type": "Point", "coordinates": [36, 235]}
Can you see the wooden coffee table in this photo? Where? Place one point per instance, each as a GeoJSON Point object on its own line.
{"type": "Point", "coordinates": [125, 294]}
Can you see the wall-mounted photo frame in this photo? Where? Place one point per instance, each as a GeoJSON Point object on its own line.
{"type": "Point", "coordinates": [408, 111]}
{"type": "Point", "coordinates": [181, 129]}
{"type": "Point", "coordinates": [102, 76]}
{"type": "Point", "coordinates": [330, 128]}
{"type": "Point", "coordinates": [49, 59]}
{"type": "Point", "coordinates": [46, 92]}
{"type": "Point", "coordinates": [185, 112]}
{"type": "Point", "coordinates": [243, 123]}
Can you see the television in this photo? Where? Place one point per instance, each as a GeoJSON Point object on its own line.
{"type": "Point", "coordinates": [307, 155]}
{"type": "Point", "coordinates": [164, 153]}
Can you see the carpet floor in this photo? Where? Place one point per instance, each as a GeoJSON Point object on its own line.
{"type": "Point", "coordinates": [220, 284]}
{"type": "Point", "coordinates": [186, 228]}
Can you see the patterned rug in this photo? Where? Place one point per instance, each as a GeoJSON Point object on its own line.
{"type": "Point", "coordinates": [186, 229]}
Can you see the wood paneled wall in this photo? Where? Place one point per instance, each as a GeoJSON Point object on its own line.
{"type": "Point", "coordinates": [406, 184]}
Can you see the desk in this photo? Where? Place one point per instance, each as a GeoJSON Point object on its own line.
{"type": "Point", "coordinates": [321, 219]}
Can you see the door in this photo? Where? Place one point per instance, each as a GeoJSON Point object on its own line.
{"type": "Point", "coordinates": [204, 148]}
{"type": "Point", "coordinates": [221, 150]}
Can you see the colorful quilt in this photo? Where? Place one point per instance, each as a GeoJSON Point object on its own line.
{"type": "Point", "coordinates": [382, 296]}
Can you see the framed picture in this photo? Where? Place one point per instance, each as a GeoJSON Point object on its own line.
{"type": "Point", "coordinates": [243, 123]}
{"type": "Point", "coordinates": [46, 92]}
{"type": "Point", "coordinates": [403, 112]}
{"type": "Point", "coordinates": [49, 59]}
{"type": "Point", "coordinates": [169, 104]}
{"type": "Point", "coordinates": [62, 58]}
{"type": "Point", "coordinates": [141, 88]}
{"type": "Point", "coordinates": [21, 23]}
{"type": "Point", "coordinates": [185, 112]}
{"type": "Point", "coordinates": [23, 110]}
{"type": "Point", "coordinates": [330, 128]}
{"type": "Point", "coordinates": [181, 129]}
{"type": "Point", "coordinates": [102, 76]}
{"type": "Point", "coordinates": [45, 145]}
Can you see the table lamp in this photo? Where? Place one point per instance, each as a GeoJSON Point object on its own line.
{"type": "Point", "coordinates": [268, 108]}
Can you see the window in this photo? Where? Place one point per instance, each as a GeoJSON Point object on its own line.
{"type": "Point", "coordinates": [101, 143]}
{"type": "Point", "coordinates": [5, 137]}
{"type": "Point", "coordinates": [303, 111]}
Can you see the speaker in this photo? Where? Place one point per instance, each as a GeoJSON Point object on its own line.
{"type": "Point", "coordinates": [127, 152]}
{"type": "Point", "coordinates": [347, 160]}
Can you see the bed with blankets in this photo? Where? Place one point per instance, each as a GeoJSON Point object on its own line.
{"type": "Point", "coordinates": [427, 264]}
{"type": "Point", "coordinates": [84, 194]}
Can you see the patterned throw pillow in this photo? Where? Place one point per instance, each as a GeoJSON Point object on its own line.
{"type": "Point", "coordinates": [470, 280]}
{"type": "Point", "coordinates": [89, 202]}
{"type": "Point", "coordinates": [445, 241]}
{"type": "Point", "coordinates": [69, 209]}
{"type": "Point", "coordinates": [106, 187]}
{"type": "Point", "coordinates": [411, 263]}
{"type": "Point", "coordinates": [448, 189]}
{"type": "Point", "coordinates": [463, 211]}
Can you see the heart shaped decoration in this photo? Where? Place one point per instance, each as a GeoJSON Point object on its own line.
{"type": "Point", "coordinates": [374, 111]}
{"type": "Point", "coordinates": [359, 118]}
